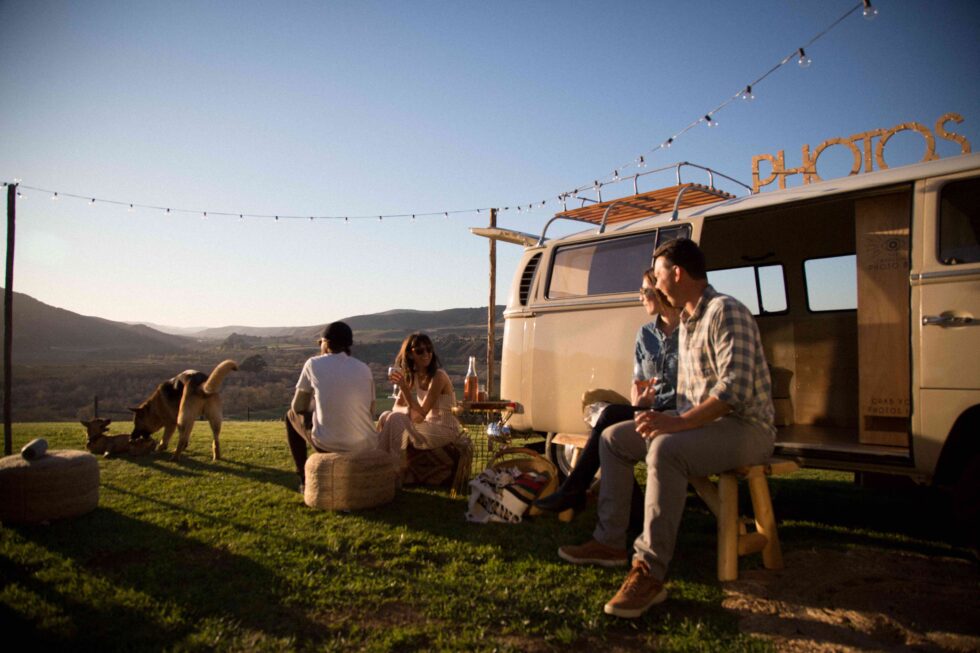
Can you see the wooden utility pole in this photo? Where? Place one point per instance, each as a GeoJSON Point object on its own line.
{"type": "Point", "coordinates": [8, 319]}
{"type": "Point", "coordinates": [492, 308]}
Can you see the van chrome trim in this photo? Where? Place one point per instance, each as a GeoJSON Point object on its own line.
{"type": "Point", "coordinates": [943, 274]}
{"type": "Point", "coordinates": [589, 303]}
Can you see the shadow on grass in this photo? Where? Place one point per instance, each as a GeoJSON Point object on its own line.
{"type": "Point", "coordinates": [190, 465]}
{"type": "Point", "coordinates": [902, 517]}
{"type": "Point", "coordinates": [124, 590]}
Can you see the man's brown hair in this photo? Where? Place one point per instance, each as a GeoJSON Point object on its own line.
{"type": "Point", "coordinates": [684, 253]}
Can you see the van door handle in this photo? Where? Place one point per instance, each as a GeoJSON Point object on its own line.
{"type": "Point", "coordinates": [948, 320]}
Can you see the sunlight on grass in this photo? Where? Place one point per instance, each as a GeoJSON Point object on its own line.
{"type": "Point", "coordinates": [225, 556]}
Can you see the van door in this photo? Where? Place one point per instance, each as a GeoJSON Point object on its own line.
{"type": "Point", "coordinates": [946, 300]}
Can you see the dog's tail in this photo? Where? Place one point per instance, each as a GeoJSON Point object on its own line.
{"type": "Point", "coordinates": [218, 374]}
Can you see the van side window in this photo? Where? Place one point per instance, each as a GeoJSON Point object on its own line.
{"type": "Point", "coordinates": [959, 222]}
{"type": "Point", "coordinates": [608, 266]}
{"type": "Point", "coordinates": [831, 283]}
{"type": "Point", "coordinates": [761, 288]}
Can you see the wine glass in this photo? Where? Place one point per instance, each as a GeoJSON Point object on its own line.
{"type": "Point", "coordinates": [394, 391]}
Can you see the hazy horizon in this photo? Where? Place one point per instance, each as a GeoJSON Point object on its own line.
{"type": "Point", "coordinates": [432, 108]}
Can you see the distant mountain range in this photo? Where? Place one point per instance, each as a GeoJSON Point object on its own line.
{"type": "Point", "coordinates": [44, 333]}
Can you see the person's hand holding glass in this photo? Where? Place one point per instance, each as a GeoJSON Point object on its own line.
{"type": "Point", "coordinates": [394, 375]}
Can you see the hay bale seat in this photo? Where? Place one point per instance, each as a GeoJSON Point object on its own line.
{"type": "Point", "coordinates": [59, 484]}
{"type": "Point", "coordinates": [349, 481]}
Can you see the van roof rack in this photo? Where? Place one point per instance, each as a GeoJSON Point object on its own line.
{"type": "Point", "coordinates": [642, 205]}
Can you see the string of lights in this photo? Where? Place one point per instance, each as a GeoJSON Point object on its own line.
{"type": "Point", "coordinates": [745, 93]}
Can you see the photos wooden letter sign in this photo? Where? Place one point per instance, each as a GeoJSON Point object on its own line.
{"type": "Point", "coordinates": [860, 146]}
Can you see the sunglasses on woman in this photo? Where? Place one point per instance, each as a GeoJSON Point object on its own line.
{"type": "Point", "coordinates": [422, 349]}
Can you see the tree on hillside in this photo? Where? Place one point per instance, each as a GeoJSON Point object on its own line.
{"type": "Point", "coordinates": [254, 363]}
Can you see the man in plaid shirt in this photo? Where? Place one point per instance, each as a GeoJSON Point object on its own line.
{"type": "Point", "coordinates": [724, 419]}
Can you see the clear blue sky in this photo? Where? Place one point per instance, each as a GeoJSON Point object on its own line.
{"type": "Point", "coordinates": [367, 108]}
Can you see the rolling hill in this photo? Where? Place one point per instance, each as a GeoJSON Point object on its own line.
{"type": "Point", "coordinates": [44, 333]}
{"type": "Point", "coordinates": [47, 333]}
{"type": "Point", "coordinates": [389, 325]}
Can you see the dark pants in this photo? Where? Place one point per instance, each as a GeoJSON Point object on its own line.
{"type": "Point", "coordinates": [298, 437]}
{"type": "Point", "coordinates": [581, 476]}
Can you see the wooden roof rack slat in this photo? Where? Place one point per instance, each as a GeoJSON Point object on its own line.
{"type": "Point", "coordinates": [646, 204]}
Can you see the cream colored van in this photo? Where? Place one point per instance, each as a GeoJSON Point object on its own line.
{"type": "Point", "coordinates": [866, 291]}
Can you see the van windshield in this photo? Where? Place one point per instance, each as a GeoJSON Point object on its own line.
{"type": "Point", "coordinates": [603, 267]}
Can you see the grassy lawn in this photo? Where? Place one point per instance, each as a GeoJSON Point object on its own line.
{"type": "Point", "coordinates": [198, 555]}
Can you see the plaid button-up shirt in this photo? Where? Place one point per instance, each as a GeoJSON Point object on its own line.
{"type": "Point", "coordinates": [721, 356]}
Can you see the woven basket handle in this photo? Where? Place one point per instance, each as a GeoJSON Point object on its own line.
{"type": "Point", "coordinates": [521, 450]}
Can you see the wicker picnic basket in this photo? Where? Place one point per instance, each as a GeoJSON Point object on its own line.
{"type": "Point", "coordinates": [527, 460]}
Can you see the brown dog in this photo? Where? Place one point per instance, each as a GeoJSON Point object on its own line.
{"type": "Point", "coordinates": [177, 403]}
{"type": "Point", "coordinates": [99, 442]}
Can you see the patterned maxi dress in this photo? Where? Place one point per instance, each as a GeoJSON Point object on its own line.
{"type": "Point", "coordinates": [428, 452]}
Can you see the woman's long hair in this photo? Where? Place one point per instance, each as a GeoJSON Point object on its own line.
{"type": "Point", "coordinates": [407, 365]}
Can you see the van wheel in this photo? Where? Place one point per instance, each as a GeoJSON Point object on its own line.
{"type": "Point", "coordinates": [966, 501]}
{"type": "Point", "coordinates": [561, 456]}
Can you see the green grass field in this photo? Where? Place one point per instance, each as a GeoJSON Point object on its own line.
{"type": "Point", "coordinates": [225, 556]}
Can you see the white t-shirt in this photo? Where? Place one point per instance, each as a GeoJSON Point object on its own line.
{"type": "Point", "coordinates": [343, 390]}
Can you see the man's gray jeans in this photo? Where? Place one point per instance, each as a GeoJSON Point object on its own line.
{"type": "Point", "coordinates": [671, 459]}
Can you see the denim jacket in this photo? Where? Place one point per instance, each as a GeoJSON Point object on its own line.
{"type": "Point", "coordinates": [656, 356]}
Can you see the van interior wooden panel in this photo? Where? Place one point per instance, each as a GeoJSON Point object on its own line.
{"type": "Point", "coordinates": [787, 236]}
{"type": "Point", "coordinates": [826, 370]}
{"type": "Point", "coordinates": [815, 354]}
{"type": "Point", "coordinates": [882, 234]}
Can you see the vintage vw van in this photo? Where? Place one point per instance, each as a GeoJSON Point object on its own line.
{"type": "Point", "coordinates": [866, 290]}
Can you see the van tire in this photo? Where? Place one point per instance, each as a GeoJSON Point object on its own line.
{"type": "Point", "coordinates": [966, 502]}
{"type": "Point", "coordinates": [561, 456]}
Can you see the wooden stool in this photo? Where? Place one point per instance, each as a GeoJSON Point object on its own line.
{"type": "Point", "coordinates": [733, 538]}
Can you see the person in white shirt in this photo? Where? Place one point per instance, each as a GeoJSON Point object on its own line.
{"type": "Point", "coordinates": [332, 410]}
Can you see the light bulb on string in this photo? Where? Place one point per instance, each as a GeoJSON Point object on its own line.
{"type": "Point", "coordinates": [204, 215]}
{"type": "Point", "coordinates": [641, 162]}
{"type": "Point", "coordinates": [91, 202]}
{"type": "Point", "coordinates": [130, 209]}
{"type": "Point", "coordinates": [446, 215]}
{"type": "Point", "coordinates": [869, 12]}
{"type": "Point", "coordinates": [168, 211]}
{"type": "Point", "coordinates": [55, 198]}
{"type": "Point", "coordinates": [615, 175]}
{"type": "Point", "coordinates": [711, 121]}
{"type": "Point", "coordinates": [747, 94]}
{"type": "Point", "coordinates": [668, 143]}
{"type": "Point", "coordinates": [804, 61]}
{"type": "Point", "coordinates": [20, 195]}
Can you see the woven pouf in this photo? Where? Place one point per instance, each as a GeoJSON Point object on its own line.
{"type": "Point", "coordinates": [58, 484]}
{"type": "Point", "coordinates": [349, 481]}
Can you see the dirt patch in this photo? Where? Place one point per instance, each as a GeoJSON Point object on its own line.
{"type": "Point", "coordinates": [861, 600]}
